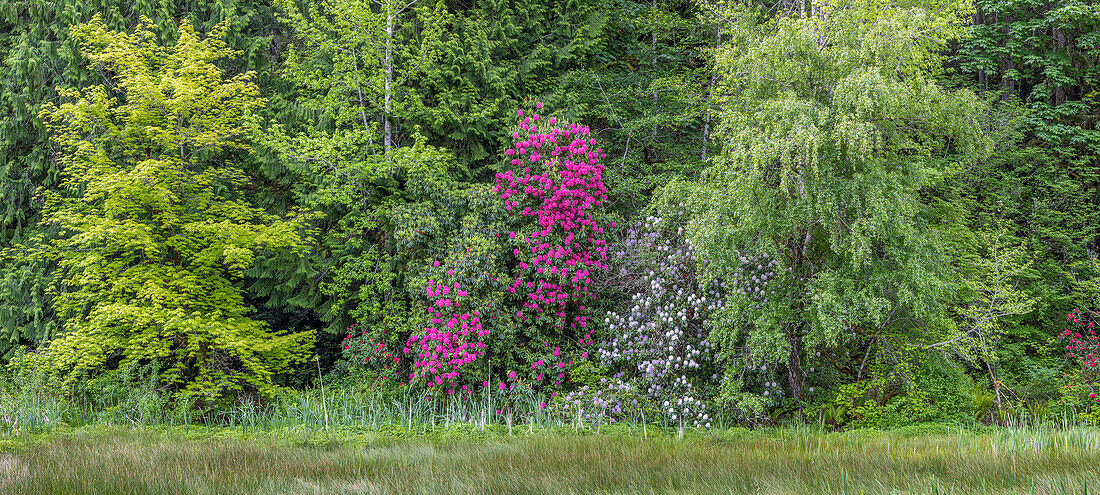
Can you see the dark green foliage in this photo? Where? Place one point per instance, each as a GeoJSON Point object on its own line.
{"type": "Point", "coordinates": [26, 312]}
{"type": "Point", "coordinates": [647, 93]}
{"type": "Point", "coordinates": [1047, 56]}
{"type": "Point", "coordinates": [496, 54]}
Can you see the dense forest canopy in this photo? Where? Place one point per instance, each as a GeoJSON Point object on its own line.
{"type": "Point", "coordinates": [879, 212]}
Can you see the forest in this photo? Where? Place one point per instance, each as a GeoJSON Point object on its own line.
{"type": "Point", "coordinates": [686, 214]}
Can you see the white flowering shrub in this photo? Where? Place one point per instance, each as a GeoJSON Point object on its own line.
{"type": "Point", "coordinates": [656, 339]}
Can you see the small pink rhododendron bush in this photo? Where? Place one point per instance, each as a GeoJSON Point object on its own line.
{"type": "Point", "coordinates": [454, 339]}
{"type": "Point", "coordinates": [369, 364]}
{"type": "Point", "coordinates": [1082, 344]}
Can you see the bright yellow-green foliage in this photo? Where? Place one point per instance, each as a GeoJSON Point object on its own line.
{"type": "Point", "coordinates": [152, 237]}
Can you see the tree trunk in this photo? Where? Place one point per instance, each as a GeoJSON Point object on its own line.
{"type": "Point", "coordinates": [1007, 64]}
{"type": "Point", "coordinates": [1059, 90]}
{"type": "Point", "coordinates": [795, 377]}
{"type": "Point", "coordinates": [983, 78]}
{"type": "Point", "coordinates": [388, 69]}
{"type": "Point", "coordinates": [653, 67]}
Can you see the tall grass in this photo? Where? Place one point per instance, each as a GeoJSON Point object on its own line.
{"type": "Point", "coordinates": [134, 442]}
{"type": "Point", "coordinates": [33, 408]}
{"type": "Point", "coordinates": [779, 461]}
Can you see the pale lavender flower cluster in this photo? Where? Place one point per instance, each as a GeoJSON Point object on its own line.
{"type": "Point", "coordinates": [658, 338]}
{"type": "Point", "coordinates": [752, 278]}
{"type": "Point", "coordinates": [613, 400]}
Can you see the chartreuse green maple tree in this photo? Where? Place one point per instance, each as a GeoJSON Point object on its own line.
{"type": "Point", "coordinates": [153, 236]}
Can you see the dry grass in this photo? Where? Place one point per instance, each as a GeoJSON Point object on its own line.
{"type": "Point", "coordinates": [12, 472]}
{"type": "Point", "coordinates": [779, 462]}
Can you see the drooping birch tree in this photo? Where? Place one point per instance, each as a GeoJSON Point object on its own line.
{"type": "Point", "coordinates": [832, 129]}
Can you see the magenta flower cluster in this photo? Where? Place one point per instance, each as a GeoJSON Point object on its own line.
{"type": "Point", "coordinates": [1082, 341]}
{"type": "Point", "coordinates": [558, 181]}
{"type": "Point", "coordinates": [1083, 344]}
{"type": "Point", "coordinates": [455, 339]}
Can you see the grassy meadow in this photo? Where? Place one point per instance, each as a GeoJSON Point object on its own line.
{"type": "Point", "coordinates": [463, 459]}
{"type": "Point", "coordinates": [341, 442]}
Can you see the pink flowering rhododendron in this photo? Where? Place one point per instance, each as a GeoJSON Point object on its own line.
{"type": "Point", "coordinates": [559, 188]}
{"type": "Point", "coordinates": [553, 242]}
{"type": "Point", "coordinates": [372, 357]}
{"type": "Point", "coordinates": [1083, 345]}
{"type": "Point", "coordinates": [454, 339]}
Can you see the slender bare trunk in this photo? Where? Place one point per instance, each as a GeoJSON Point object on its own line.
{"type": "Point", "coordinates": [996, 383]}
{"type": "Point", "coordinates": [1007, 64]}
{"type": "Point", "coordinates": [388, 69]}
{"type": "Point", "coordinates": [1059, 90]}
{"type": "Point", "coordinates": [983, 78]}
{"type": "Point", "coordinates": [795, 377]}
{"type": "Point", "coordinates": [653, 65]}
{"type": "Point", "coordinates": [710, 96]}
